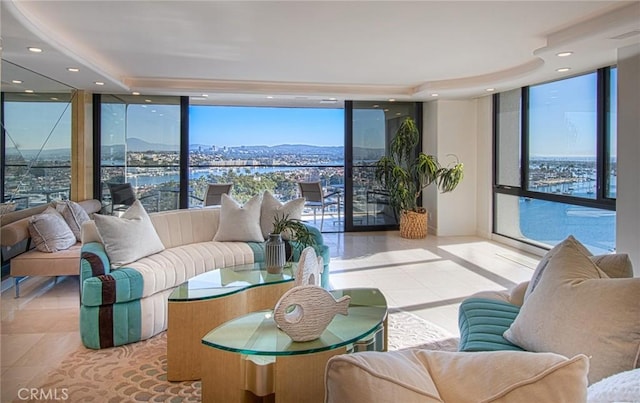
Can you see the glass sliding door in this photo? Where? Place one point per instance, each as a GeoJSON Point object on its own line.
{"type": "Point", "coordinates": [140, 145]}
{"type": "Point", "coordinates": [370, 127]}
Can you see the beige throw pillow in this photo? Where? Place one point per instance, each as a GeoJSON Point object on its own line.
{"type": "Point", "coordinates": [542, 265]}
{"type": "Point", "coordinates": [617, 265]}
{"type": "Point", "coordinates": [239, 223]}
{"type": "Point", "coordinates": [130, 237]}
{"type": "Point", "coordinates": [272, 207]}
{"type": "Point", "coordinates": [74, 215]}
{"type": "Point", "coordinates": [437, 376]}
{"type": "Point", "coordinates": [577, 309]}
{"type": "Point", "coordinates": [49, 232]}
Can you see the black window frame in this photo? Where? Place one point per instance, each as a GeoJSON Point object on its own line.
{"type": "Point", "coordinates": [601, 201]}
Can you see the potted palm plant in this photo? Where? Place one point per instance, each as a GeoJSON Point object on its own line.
{"type": "Point", "coordinates": [404, 175]}
{"type": "Point", "coordinates": [276, 247]}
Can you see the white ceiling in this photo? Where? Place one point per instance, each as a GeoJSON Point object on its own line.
{"type": "Point", "coordinates": [301, 52]}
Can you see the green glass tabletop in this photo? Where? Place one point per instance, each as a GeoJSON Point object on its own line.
{"type": "Point", "coordinates": [229, 280]}
{"type": "Point", "coordinates": [257, 334]}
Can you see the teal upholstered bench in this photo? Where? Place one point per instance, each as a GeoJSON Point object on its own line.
{"type": "Point", "coordinates": [482, 323]}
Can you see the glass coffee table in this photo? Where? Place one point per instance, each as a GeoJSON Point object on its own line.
{"type": "Point", "coordinates": [250, 357]}
{"type": "Point", "coordinates": [210, 299]}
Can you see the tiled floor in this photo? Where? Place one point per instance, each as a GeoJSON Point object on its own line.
{"type": "Point", "coordinates": [428, 277]}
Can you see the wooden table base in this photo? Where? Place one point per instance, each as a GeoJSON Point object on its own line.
{"type": "Point", "coordinates": [189, 321]}
{"type": "Point", "coordinates": [231, 377]}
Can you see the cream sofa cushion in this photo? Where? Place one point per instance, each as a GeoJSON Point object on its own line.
{"type": "Point", "coordinates": [577, 309]}
{"type": "Point", "coordinates": [174, 266]}
{"type": "Point", "coordinates": [130, 237]}
{"type": "Point", "coordinates": [240, 223]}
{"type": "Point", "coordinates": [437, 376]}
{"type": "Point", "coordinates": [186, 226]}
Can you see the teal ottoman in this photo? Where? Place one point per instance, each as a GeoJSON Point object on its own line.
{"type": "Point", "coordinates": [482, 323]}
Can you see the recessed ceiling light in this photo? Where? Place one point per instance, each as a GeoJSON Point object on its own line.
{"type": "Point", "coordinates": [34, 49]}
{"type": "Point", "coordinates": [153, 111]}
{"type": "Point", "coordinates": [490, 89]}
{"type": "Point", "coordinates": [333, 99]}
{"type": "Point", "coordinates": [386, 110]}
{"type": "Point", "coordinates": [205, 95]}
{"type": "Point", "coordinates": [29, 91]}
{"type": "Point", "coordinates": [434, 95]}
{"type": "Point", "coordinates": [135, 93]}
{"type": "Point", "coordinates": [398, 113]}
{"type": "Point", "coordinates": [376, 106]}
{"type": "Point", "coordinates": [392, 100]}
{"type": "Point", "coordinates": [564, 54]}
{"type": "Point", "coordinates": [73, 69]}
{"type": "Point", "coordinates": [269, 97]}
{"type": "Point", "coordinates": [16, 81]}
{"type": "Point", "coordinates": [147, 100]}
{"type": "Point", "coordinates": [54, 98]}
{"type": "Point", "coordinates": [563, 69]}
{"type": "Point", "coordinates": [99, 83]}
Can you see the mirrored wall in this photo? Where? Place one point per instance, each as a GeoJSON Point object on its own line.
{"type": "Point", "coordinates": [36, 138]}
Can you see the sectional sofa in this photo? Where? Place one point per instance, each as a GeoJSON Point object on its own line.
{"type": "Point", "coordinates": [25, 259]}
{"type": "Point", "coordinates": [571, 334]}
{"type": "Point", "coordinates": [125, 304]}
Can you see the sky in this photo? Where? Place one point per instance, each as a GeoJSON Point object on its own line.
{"type": "Point", "coordinates": [45, 120]}
{"type": "Point", "coordinates": [235, 126]}
{"type": "Point", "coordinates": [562, 119]}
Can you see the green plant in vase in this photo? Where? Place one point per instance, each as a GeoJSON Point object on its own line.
{"type": "Point", "coordinates": [404, 173]}
{"type": "Point", "coordinates": [276, 248]}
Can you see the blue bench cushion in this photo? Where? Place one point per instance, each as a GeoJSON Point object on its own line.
{"type": "Point", "coordinates": [482, 323]}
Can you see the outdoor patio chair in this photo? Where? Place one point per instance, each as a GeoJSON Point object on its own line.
{"type": "Point", "coordinates": [214, 193]}
{"type": "Point", "coordinates": [315, 198]}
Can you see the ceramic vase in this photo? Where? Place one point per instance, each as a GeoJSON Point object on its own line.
{"type": "Point", "coordinates": [274, 254]}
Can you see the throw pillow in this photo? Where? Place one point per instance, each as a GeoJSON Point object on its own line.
{"type": "Point", "coordinates": [542, 265]}
{"type": "Point", "coordinates": [617, 265]}
{"type": "Point", "coordinates": [622, 387]}
{"type": "Point", "coordinates": [577, 309]}
{"type": "Point", "coordinates": [49, 232]}
{"type": "Point", "coordinates": [272, 207]}
{"type": "Point", "coordinates": [130, 237]}
{"type": "Point", "coordinates": [74, 215]}
{"type": "Point", "coordinates": [437, 376]}
{"type": "Point", "coordinates": [239, 223]}
{"type": "Point", "coordinates": [482, 323]}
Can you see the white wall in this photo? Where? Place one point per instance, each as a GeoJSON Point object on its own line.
{"type": "Point", "coordinates": [451, 127]}
{"type": "Point", "coordinates": [484, 167]}
{"type": "Point", "coordinates": [628, 190]}
{"type": "Point", "coordinates": [430, 146]}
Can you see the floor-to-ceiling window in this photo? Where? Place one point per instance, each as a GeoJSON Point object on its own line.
{"type": "Point", "coordinates": [556, 161]}
{"type": "Point", "coordinates": [266, 148]}
{"type": "Point", "coordinates": [140, 144]}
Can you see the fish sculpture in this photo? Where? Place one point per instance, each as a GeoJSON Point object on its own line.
{"type": "Point", "coordinates": [304, 312]}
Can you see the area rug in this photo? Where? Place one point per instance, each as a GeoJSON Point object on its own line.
{"type": "Point", "coordinates": [137, 372]}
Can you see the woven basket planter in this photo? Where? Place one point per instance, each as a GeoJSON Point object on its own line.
{"type": "Point", "coordinates": [413, 225]}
